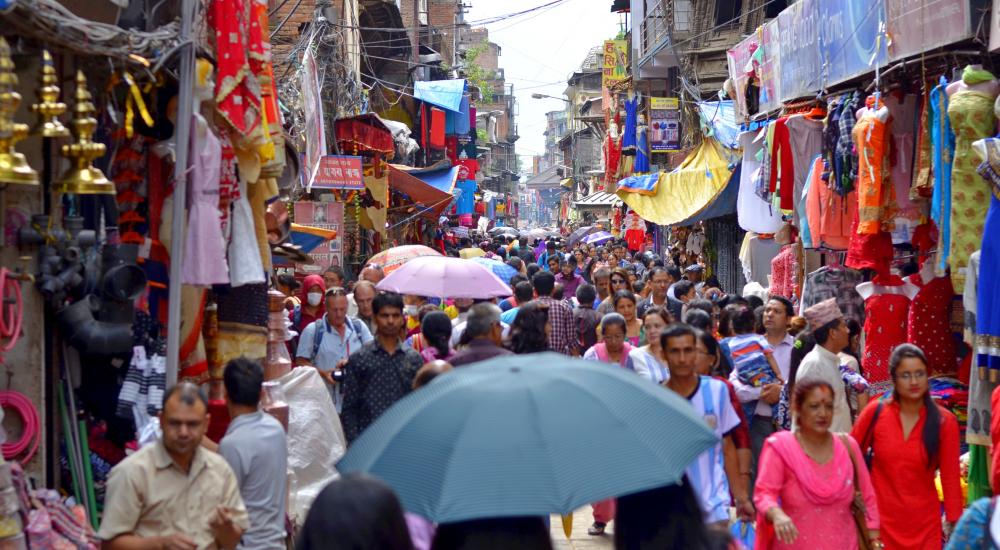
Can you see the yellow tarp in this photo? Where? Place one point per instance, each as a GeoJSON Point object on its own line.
{"type": "Point", "coordinates": [686, 190]}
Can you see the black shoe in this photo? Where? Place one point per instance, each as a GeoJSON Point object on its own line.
{"type": "Point", "coordinates": [597, 529]}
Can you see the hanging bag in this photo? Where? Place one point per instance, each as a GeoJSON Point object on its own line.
{"type": "Point", "coordinates": [858, 508]}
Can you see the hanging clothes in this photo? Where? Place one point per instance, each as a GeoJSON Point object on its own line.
{"type": "Point", "coordinates": [783, 269]}
{"type": "Point", "coordinates": [903, 113]}
{"type": "Point", "coordinates": [465, 203]}
{"type": "Point", "coordinates": [876, 196]}
{"type": "Point", "coordinates": [828, 214]}
{"type": "Point", "coordinates": [753, 213]}
{"type": "Point", "coordinates": [846, 154]}
{"type": "Point", "coordinates": [436, 119]}
{"type": "Point", "coordinates": [204, 248]}
{"type": "Point", "coordinates": [987, 344]}
{"type": "Point", "coordinates": [642, 147]}
{"type": "Point", "coordinates": [887, 304]}
{"type": "Point", "coordinates": [929, 321]}
{"type": "Point", "coordinates": [943, 145]}
{"type": "Point", "coordinates": [631, 127]}
{"type": "Point", "coordinates": [806, 140]}
{"type": "Point", "coordinates": [835, 282]}
{"type": "Point", "coordinates": [980, 386]}
{"type": "Point", "coordinates": [809, 225]}
{"type": "Point", "coordinates": [922, 186]}
{"type": "Point", "coordinates": [971, 115]}
{"type": "Point", "coordinates": [246, 266]}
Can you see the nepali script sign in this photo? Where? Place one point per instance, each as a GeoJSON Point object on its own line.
{"type": "Point", "coordinates": [339, 172]}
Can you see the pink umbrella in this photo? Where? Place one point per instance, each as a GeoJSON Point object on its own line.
{"type": "Point", "coordinates": [444, 277]}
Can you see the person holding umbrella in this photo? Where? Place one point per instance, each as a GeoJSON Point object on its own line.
{"type": "Point", "coordinates": [715, 472]}
{"type": "Point", "coordinates": [568, 276]}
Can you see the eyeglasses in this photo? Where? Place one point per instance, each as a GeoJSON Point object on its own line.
{"type": "Point", "coordinates": [617, 281]}
{"type": "Point", "coordinates": [911, 376]}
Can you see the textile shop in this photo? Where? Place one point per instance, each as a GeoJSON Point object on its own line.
{"type": "Point", "coordinates": [881, 193]}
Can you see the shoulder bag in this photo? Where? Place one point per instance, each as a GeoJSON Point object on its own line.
{"type": "Point", "coordinates": [858, 504]}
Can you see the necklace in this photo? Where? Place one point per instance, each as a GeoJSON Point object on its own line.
{"type": "Point", "coordinates": [819, 454]}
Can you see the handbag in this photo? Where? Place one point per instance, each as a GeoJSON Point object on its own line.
{"type": "Point", "coordinates": [858, 504]}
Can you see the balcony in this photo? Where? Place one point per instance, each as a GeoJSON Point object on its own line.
{"type": "Point", "coordinates": [659, 26]}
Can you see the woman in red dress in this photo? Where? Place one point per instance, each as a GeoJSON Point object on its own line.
{"type": "Point", "coordinates": [911, 437]}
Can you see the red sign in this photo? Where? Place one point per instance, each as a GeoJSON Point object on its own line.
{"type": "Point", "coordinates": [339, 172]}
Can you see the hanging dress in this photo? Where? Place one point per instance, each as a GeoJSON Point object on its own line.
{"type": "Point", "coordinates": [943, 149]}
{"type": "Point", "coordinates": [972, 118]}
{"type": "Point", "coordinates": [887, 305]}
{"type": "Point", "coordinates": [642, 149]}
{"type": "Point", "coordinates": [245, 265]}
{"type": "Point", "coordinates": [204, 247]}
{"type": "Point", "coordinates": [631, 125]}
{"type": "Point", "coordinates": [929, 322]}
{"type": "Point", "coordinates": [871, 244]}
{"type": "Point", "coordinates": [987, 340]}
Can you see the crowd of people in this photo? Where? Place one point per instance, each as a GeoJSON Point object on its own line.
{"type": "Point", "coordinates": [803, 450]}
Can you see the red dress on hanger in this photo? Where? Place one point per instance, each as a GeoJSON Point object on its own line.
{"type": "Point", "coordinates": [887, 306]}
{"type": "Point", "coordinates": [929, 326]}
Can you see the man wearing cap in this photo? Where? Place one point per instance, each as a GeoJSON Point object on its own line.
{"type": "Point", "coordinates": [822, 363]}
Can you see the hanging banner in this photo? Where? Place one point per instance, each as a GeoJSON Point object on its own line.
{"type": "Point", "coordinates": [315, 134]}
{"type": "Point", "coordinates": [339, 172]}
{"type": "Point", "coordinates": [615, 65]}
{"type": "Point", "coordinates": [851, 45]}
{"type": "Point", "coordinates": [798, 48]}
{"type": "Point", "coordinates": [324, 215]}
{"type": "Point", "coordinates": [921, 25]}
{"type": "Point", "coordinates": [664, 124]}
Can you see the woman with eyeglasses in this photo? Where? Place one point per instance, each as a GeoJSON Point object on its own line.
{"type": "Point", "coordinates": [619, 281]}
{"type": "Point", "coordinates": [910, 438]}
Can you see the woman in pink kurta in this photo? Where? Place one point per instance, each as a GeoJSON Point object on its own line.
{"type": "Point", "coordinates": [805, 482]}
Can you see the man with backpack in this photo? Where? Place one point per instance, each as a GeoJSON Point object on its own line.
{"type": "Point", "coordinates": [327, 342]}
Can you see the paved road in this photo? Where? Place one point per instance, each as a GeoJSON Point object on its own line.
{"type": "Point", "coordinates": [580, 540]}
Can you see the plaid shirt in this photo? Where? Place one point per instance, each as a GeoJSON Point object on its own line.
{"type": "Point", "coordinates": [826, 283]}
{"type": "Point", "coordinates": [563, 338]}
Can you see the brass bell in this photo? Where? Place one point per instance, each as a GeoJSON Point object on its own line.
{"type": "Point", "coordinates": [82, 177]}
{"type": "Point", "coordinates": [14, 167]}
{"type": "Point", "coordinates": [49, 108]}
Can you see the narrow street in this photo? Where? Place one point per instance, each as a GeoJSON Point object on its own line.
{"type": "Point", "coordinates": [579, 539]}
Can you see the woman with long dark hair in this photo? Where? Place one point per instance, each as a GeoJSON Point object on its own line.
{"type": "Point", "coordinates": [355, 512]}
{"type": "Point", "coordinates": [523, 533]}
{"type": "Point", "coordinates": [911, 437]}
{"type": "Point", "coordinates": [665, 517]}
{"type": "Point", "coordinates": [435, 328]}
{"type": "Point", "coordinates": [626, 305]}
{"type": "Point", "coordinates": [807, 480]}
{"type": "Point", "coordinates": [531, 328]}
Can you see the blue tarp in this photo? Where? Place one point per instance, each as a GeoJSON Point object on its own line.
{"type": "Point", "coordinates": [724, 204]}
{"type": "Point", "coordinates": [446, 94]}
{"type": "Point", "coordinates": [719, 118]}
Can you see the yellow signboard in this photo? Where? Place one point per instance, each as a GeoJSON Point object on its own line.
{"type": "Point", "coordinates": [658, 103]}
{"type": "Point", "coordinates": [615, 66]}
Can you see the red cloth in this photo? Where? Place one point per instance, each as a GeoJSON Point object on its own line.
{"type": "Point", "coordinates": [236, 98]}
{"type": "Point", "coordinates": [873, 251]}
{"type": "Point", "coordinates": [995, 438]}
{"type": "Point", "coordinates": [357, 134]}
{"type": "Point", "coordinates": [782, 160]}
{"type": "Point", "coordinates": [929, 323]}
{"type": "Point", "coordinates": [904, 484]}
{"type": "Point", "coordinates": [451, 148]}
{"type": "Point", "coordinates": [925, 238]}
{"type": "Point", "coordinates": [635, 239]}
{"type": "Point", "coordinates": [885, 328]}
{"type": "Point", "coordinates": [783, 273]}
{"type": "Point", "coordinates": [437, 122]}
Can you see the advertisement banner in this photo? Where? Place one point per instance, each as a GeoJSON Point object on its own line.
{"type": "Point", "coordinates": [339, 172]}
{"type": "Point", "coordinates": [798, 49]}
{"type": "Point", "coordinates": [615, 64]}
{"type": "Point", "coordinates": [770, 67]}
{"type": "Point", "coordinates": [324, 215]}
{"type": "Point", "coordinates": [921, 25]}
{"type": "Point", "coordinates": [739, 59]}
{"type": "Point", "coordinates": [664, 124]}
{"type": "Point", "coordinates": [850, 39]}
{"type": "Point", "coordinates": [315, 137]}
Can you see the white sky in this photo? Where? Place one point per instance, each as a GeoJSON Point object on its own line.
{"type": "Point", "coordinates": [539, 50]}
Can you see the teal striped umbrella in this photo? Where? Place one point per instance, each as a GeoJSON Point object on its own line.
{"type": "Point", "coordinates": [528, 435]}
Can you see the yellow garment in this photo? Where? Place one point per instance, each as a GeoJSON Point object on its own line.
{"type": "Point", "coordinates": [687, 190]}
{"type": "Point", "coordinates": [379, 188]}
{"type": "Point", "coordinates": [260, 193]}
{"type": "Point", "coordinates": [469, 253]}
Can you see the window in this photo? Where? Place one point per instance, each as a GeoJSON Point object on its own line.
{"type": "Point", "coordinates": [774, 8]}
{"type": "Point", "coordinates": [727, 12]}
{"type": "Point", "coordinates": [682, 15]}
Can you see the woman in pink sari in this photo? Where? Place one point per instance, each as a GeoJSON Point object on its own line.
{"type": "Point", "coordinates": [805, 485]}
{"type": "Point", "coordinates": [613, 349]}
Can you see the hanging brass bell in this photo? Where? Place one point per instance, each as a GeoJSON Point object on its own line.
{"type": "Point", "coordinates": [82, 177]}
{"type": "Point", "coordinates": [49, 108]}
{"type": "Point", "coordinates": [14, 167]}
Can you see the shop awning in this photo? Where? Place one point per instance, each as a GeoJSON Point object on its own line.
{"type": "Point", "coordinates": [724, 204]}
{"type": "Point", "coordinates": [446, 94]}
{"type": "Point", "coordinates": [567, 183]}
{"type": "Point", "coordinates": [308, 237]}
{"type": "Point", "coordinates": [687, 190]}
{"type": "Point", "coordinates": [364, 133]}
{"type": "Point", "coordinates": [429, 188]}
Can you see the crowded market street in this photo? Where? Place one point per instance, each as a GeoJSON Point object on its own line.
{"type": "Point", "coordinates": [475, 275]}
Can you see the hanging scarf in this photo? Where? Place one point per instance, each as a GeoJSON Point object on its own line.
{"type": "Point", "coordinates": [972, 76]}
{"type": "Point", "coordinates": [602, 353]}
{"type": "Point", "coordinates": [237, 92]}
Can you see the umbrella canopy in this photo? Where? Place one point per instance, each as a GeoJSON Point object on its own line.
{"type": "Point", "coordinates": [503, 229]}
{"type": "Point", "coordinates": [600, 237]}
{"type": "Point", "coordinates": [469, 253]}
{"type": "Point", "coordinates": [444, 277]}
{"type": "Point", "coordinates": [392, 259]}
{"type": "Point", "coordinates": [514, 436]}
{"type": "Point", "coordinates": [500, 269]}
{"type": "Point", "coordinates": [582, 232]}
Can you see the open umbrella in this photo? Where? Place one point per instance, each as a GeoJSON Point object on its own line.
{"type": "Point", "coordinates": [514, 436]}
{"type": "Point", "coordinates": [502, 229]}
{"type": "Point", "coordinates": [600, 237]}
{"type": "Point", "coordinates": [500, 269]}
{"type": "Point", "coordinates": [578, 235]}
{"type": "Point", "coordinates": [444, 277]}
{"type": "Point", "coordinates": [390, 260]}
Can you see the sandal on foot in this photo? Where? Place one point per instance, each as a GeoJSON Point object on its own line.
{"type": "Point", "coordinates": [596, 529]}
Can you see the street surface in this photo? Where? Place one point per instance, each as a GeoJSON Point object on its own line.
{"type": "Point", "coordinates": [580, 540]}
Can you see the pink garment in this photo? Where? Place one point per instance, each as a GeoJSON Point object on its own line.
{"type": "Point", "coordinates": [431, 353]}
{"type": "Point", "coordinates": [816, 496]}
{"type": "Point", "coordinates": [605, 510]}
{"type": "Point", "coordinates": [204, 248]}
{"type": "Point", "coordinates": [903, 114]}
{"type": "Point", "coordinates": [783, 273]}
{"type": "Point", "coordinates": [602, 353]}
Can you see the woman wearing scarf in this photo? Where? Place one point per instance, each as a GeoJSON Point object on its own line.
{"type": "Point", "coordinates": [912, 437]}
{"type": "Point", "coordinates": [311, 305]}
{"type": "Point", "coordinates": [806, 482]}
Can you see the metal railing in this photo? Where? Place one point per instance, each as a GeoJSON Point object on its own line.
{"type": "Point", "coordinates": [661, 22]}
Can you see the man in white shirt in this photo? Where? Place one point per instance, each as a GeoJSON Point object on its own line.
{"type": "Point", "coordinates": [777, 311]}
{"type": "Point", "coordinates": [715, 471]}
{"type": "Point", "coordinates": [822, 363]}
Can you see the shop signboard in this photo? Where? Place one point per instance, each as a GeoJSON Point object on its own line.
{"type": "Point", "coordinates": [339, 172]}
{"type": "Point", "coordinates": [921, 25]}
{"type": "Point", "coordinates": [770, 66]}
{"type": "Point", "coordinates": [323, 215]}
{"type": "Point", "coordinates": [615, 62]}
{"type": "Point", "coordinates": [850, 43]}
{"type": "Point", "coordinates": [798, 49]}
{"type": "Point", "coordinates": [664, 124]}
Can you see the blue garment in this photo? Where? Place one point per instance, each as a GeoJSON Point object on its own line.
{"type": "Point", "coordinates": [642, 150]}
{"type": "Point", "coordinates": [466, 201]}
{"type": "Point", "coordinates": [631, 123]}
{"type": "Point", "coordinates": [973, 528]}
{"type": "Point", "coordinates": [462, 123]}
{"type": "Point", "coordinates": [987, 291]}
{"type": "Point", "coordinates": [509, 315]}
{"type": "Point", "coordinates": [943, 146]}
